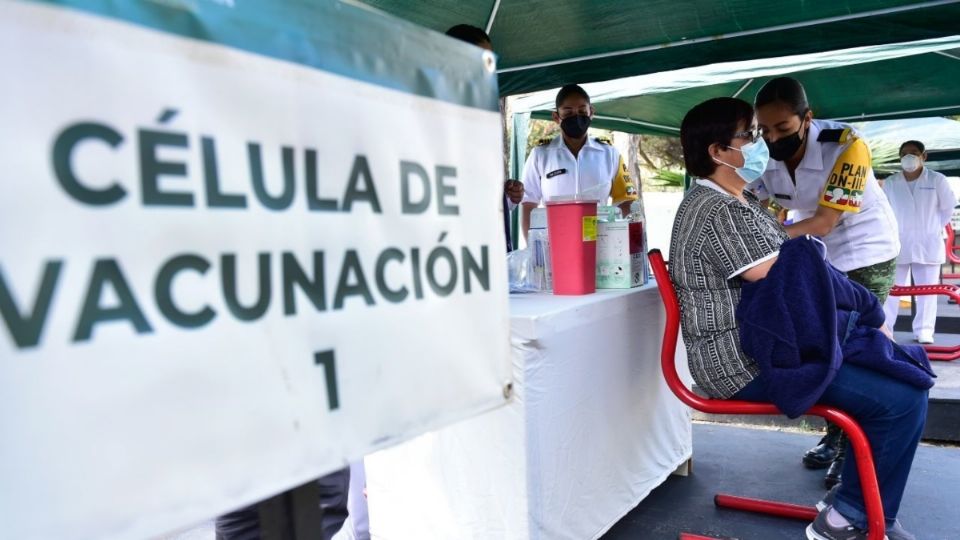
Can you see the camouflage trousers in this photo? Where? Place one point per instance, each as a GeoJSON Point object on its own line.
{"type": "Point", "coordinates": [876, 278]}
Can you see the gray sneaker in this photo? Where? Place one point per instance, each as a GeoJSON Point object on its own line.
{"type": "Point", "coordinates": [897, 532]}
{"type": "Point", "coordinates": [827, 499]}
{"type": "Point", "coordinates": [894, 532]}
{"type": "Point", "coordinates": [820, 529]}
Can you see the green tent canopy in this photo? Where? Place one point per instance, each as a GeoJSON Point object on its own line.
{"type": "Point", "coordinates": [945, 160]}
{"type": "Point", "coordinates": [548, 43]}
{"type": "Point", "coordinates": [909, 80]}
{"type": "Point", "coordinates": [946, 154]}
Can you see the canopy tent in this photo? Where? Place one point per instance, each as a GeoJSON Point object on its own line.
{"type": "Point", "coordinates": [905, 80]}
{"type": "Point", "coordinates": [548, 43]}
{"type": "Point", "coordinates": [940, 136]}
{"type": "Point", "coordinates": [945, 160]}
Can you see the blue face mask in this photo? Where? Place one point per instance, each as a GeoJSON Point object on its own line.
{"type": "Point", "coordinates": [755, 158]}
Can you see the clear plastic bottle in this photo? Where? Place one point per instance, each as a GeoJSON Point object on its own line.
{"type": "Point", "coordinates": [539, 245]}
{"type": "Point", "coordinates": [636, 216]}
{"type": "Point", "coordinates": [636, 212]}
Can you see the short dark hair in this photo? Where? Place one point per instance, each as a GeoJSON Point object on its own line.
{"type": "Point", "coordinates": [470, 34]}
{"type": "Point", "coordinates": [786, 90]}
{"type": "Point", "coordinates": [713, 121]}
{"type": "Point", "coordinates": [918, 144]}
{"type": "Point", "coordinates": [571, 90]}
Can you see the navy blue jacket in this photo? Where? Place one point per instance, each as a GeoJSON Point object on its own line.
{"type": "Point", "coordinates": [806, 318]}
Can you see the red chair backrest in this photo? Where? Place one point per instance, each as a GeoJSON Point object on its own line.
{"type": "Point", "coordinates": [671, 331]}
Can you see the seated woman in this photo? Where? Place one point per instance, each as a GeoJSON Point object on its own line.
{"type": "Point", "coordinates": [722, 237]}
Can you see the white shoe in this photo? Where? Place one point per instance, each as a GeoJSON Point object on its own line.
{"type": "Point", "coordinates": [925, 340]}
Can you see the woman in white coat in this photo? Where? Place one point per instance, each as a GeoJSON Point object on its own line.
{"type": "Point", "coordinates": [923, 202]}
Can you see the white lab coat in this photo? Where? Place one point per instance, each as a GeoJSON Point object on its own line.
{"type": "Point", "coordinates": [921, 215]}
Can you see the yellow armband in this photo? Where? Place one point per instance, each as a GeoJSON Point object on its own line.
{"type": "Point", "coordinates": [848, 178]}
{"type": "Point", "coordinates": [622, 189]}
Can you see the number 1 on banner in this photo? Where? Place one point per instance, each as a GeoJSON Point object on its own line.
{"type": "Point", "coordinates": [326, 358]}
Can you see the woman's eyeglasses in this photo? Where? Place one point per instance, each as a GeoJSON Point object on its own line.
{"type": "Point", "coordinates": [752, 134]}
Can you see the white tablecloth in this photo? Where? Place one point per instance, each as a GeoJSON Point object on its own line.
{"type": "Point", "coordinates": [592, 429]}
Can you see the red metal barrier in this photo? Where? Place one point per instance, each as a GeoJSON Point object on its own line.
{"type": "Point", "coordinates": [688, 536]}
{"type": "Point", "coordinates": [861, 447]}
{"type": "Point", "coordinates": [934, 352]}
{"type": "Point", "coordinates": [952, 291]}
{"type": "Point", "coordinates": [952, 249]}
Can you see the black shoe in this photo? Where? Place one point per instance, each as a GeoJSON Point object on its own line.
{"type": "Point", "coordinates": [832, 477]}
{"type": "Point", "coordinates": [823, 454]}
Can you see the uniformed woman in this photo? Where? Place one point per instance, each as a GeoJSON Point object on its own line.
{"type": "Point", "coordinates": [822, 171]}
{"type": "Point", "coordinates": [574, 164]}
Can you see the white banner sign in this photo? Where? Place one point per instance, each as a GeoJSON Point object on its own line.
{"type": "Point", "coordinates": [223, 274]}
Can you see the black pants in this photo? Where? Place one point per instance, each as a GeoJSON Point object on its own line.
{"type": "Point", "coordinates": [244, 524]}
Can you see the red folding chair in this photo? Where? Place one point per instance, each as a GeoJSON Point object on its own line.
{"type": "Point", "coordinates": [858, 440]}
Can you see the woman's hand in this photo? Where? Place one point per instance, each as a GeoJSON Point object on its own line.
{"type": "Point", "coordinates": [886, 331]}
{"type": "Point", "coordinates": [759, 271]}
{"type": "Point", "coordinates": [513, 189]}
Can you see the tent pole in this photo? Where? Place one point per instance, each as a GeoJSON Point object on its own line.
{"type": "Point", "coordinates": [742, 88]}
{"type": "Point", "coordinates": [518, 147]}
{"type": "Point", "coordinates": [948, 55]}
{"type": "Point", "coordinates": [637, 122]}
{"type": "Point", "coordinates": [895, 113]}
{"type": "Point", "coordinates": [493, 15]}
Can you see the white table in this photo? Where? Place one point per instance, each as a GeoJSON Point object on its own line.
{"type": "Point", "coordinates": [592, 429]}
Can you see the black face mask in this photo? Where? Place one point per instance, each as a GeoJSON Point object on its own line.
{"type": "Point", "coordinates": [575, 126]}
{"type": "Point", "coordinates": [785, 147]}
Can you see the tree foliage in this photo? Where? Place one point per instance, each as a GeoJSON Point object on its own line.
{"type": "Point", "coordinates": [541, 130]}
{"type": "Point", "coordinates": [662, 159]}
{"type": "Point", "coordinates": [885, 157]}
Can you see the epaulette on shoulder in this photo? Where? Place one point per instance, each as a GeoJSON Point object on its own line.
{"type": "Point", "coordinates": [841, 136]}
{"type": "Point", "coordinates": [603, 140]}
{"type": "Point", "coordinates": [544, 141]}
